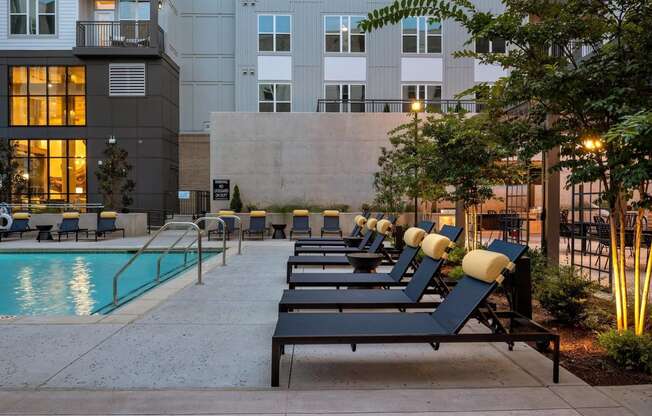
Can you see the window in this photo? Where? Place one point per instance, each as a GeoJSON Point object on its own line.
{"type": "Point", "coordinates": [342, 34]}
{"type": "Point", "coordinates": [274, 33]}
{"type": "Point", "coordinates": [55, 170]}
{"type": "Point", "coordinates": [274, 98]}
{"type": "Point", "coordinates": [47, 96]}
{"type": "Point", "coordinates": [134, 9]}
{"type": "Point", "coordinates": [32, 17]}
{"type": "Point", "coordinates": [429, 94]}
{"type": "Point", "coordinates": [344, 98]}
{"type": "Point", "coordinates": [421, 35]}
{"type": "Point", "coordinates": [496, 45]}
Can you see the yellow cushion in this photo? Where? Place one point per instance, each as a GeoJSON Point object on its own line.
{"type": "Point", "coordinates": [371, 224]}
{"type": "Point", "coordinates": [254, 214]}
{"type": "Point", "coordinates": [435, 245]}
{"type": "Point", "coordinates": [226, 212]}
{"type": "Point", "coordinates": [21, 216]}
{"type": "Point", "coordinates": [485, 265]}
{"type": "Point", "coordinates": [70, 215]}
{"type": "Point", "coordinates": [300, 213]}
{"type": "Point", "coordinates": [383, 226]}
{"type": "Point", "coordinates": [108, 214]}
{"type": "Point", "coordinates": [413, 236]}
{"type": "Point", "coordinates": [360, 221]}
{"type": "Point", "coordinates": [331, 213]}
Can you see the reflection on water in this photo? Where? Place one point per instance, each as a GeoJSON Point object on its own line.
{"type": "Point", "coordinates": [25, 293]}
{"type": "Point", "coordinates": [80, 287]}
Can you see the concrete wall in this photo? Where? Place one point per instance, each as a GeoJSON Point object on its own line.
{"type": "Point", "coordinates": [319, 158]}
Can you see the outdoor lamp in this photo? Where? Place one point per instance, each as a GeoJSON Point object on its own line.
{"type": "Point", "coordinates": [416, 106]}
{"type": "Point", "coordinates": [592, 143]}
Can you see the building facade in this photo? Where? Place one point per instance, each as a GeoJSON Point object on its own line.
{"type": "Point", "coordinates": [78, 74]}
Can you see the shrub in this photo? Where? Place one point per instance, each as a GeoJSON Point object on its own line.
{"type": "Point", "coordinates": [456, 273]}
{"type": "Point", "coordinates": [628, 350]}
{"type": "Point", "coordinates": [236, 202]}
{"type": "Point", "coordinates": [456, 255]}
{"type": "Point", "coordinates": [538, 265]}
{"type": "Point", "coordinates": [564, 292]}
{"type": "Point", "coordinates": [251, 207]}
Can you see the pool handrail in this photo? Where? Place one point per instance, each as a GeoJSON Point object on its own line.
{"type": "Point", "coordinates": [189, 225]}
{"type": "Point", "coordinates": [239, 228]}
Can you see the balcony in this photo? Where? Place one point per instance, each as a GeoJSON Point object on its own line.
{"type": "Point", "coordinates": [127, 38]}
{"type": "Point", "coordinates": [396, 106]}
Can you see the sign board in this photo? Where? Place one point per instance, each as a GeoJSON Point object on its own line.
{"type": "Point", "coordinates": [221, 189]}
{"type": "Point", "coordinates": [184, 194]}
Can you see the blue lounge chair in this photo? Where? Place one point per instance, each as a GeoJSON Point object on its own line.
{"type": "Point", "coordinates": [358, 231]}
{"type": "Point", "coordinates": [106, 225]}
{"type": "Point", "coordinates": [300, 223]}
{"type": "Point", "coordinates": [228, 218]}
{"type": "Point", "coordinates": [69, 225]}
{"type": "Point", "coordinates": [257, 224]}
{"type": "Point", "coordinates": [331, 223]}
{"type": "Point", "coordinates": [19, 225]}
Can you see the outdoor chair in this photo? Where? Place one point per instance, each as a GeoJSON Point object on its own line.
{"type": "Point", "coordinates": [483, 273]}
{"type": "Point", "coordinates": [19, 225]}
{"type": "Point", "coordinates": [300, 223]}
{"type": "Point", "coordinates": [392, 279]}
{"type": "Point", "coordinates": [257, 224]}
{"type": "Point", "coordinates": [106, 225]}
{"type": "Point", "coordinates": [434, 248]}
{"type": "Point", "coordinates": [358, 231]}
{"type": "Point", "coordinates": [331, 223]}
{"type": "Point", "coordinates": [69, 225]}
{"type": "Point", "coordinates": [228, 218]}
{"type": "Point", "coordinates": [383, 228]}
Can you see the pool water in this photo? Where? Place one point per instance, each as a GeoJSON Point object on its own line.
{"type": "Point", "coordinates": [78, 283]}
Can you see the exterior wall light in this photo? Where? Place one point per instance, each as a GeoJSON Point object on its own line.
{"type": "Point", "coordinates": [592, 143]}
{"type": "Point", "coordinates": [416, 106]}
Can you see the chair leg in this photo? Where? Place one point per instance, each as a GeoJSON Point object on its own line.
{"type": "Point", "coordinates": [555, 360]}
{"type": "Point", "coordinates": [276, 363]}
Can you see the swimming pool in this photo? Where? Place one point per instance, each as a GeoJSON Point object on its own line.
{"type": "Point", "coordinates": [79, 283]}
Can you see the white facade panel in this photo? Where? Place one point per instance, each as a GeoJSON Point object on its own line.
{"type": "Point", "coordinates": [345, 68]}
{"type": "Point", "coordinates": [67, 13]}
{"type": "Point", "coordinates": [274, 68]}
{"type": "Point", "coordinates": [422, 70]}
{"type": "Point", "coordinates": [488, 73]}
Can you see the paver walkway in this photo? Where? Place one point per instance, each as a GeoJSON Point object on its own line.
{"type": "Point", "coordinates": [206, 350]}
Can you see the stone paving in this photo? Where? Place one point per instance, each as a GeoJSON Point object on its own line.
{"type": "Point", "coordinates": [188, 349]}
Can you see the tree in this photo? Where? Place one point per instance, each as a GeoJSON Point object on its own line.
{"type": "Point", "coordinates": [580, 70]}
{"type": "Point", "coordinates": [12, 179]}
{"type": "Point", "coordinates": [113, 178]}
{"type": "Point", "coordinates": [236, 202]}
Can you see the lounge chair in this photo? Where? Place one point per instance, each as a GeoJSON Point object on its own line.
{"type": "Point", "coordinates": [331, 223]}
{"type": "Point", "coordinates": [483, 273]}
{"type": "Point", "coordinates": [300, 223]}
{"type": "Point", "coordinates": [358, 231]}
{"type": "Point", "coordinates": [106, 225]}
{"type": "Point", "coordinates": [424, 225]}
{"type": "Point", "coordinates": [434, 248]}
{"type": "Point", "coordinates": [391, 279]}
{"type": "Point", "coordinates": [19, 225]}
{"type": "Point", "coordinates": [228, 218]}
{"type": "Point", "coordinates": [69, 225]}
{"type": "Point", "coordinates": [257, 224]}
{"type": "Point", "coordinates": [383, 228]}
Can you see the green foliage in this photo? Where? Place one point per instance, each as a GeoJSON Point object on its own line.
{"type": "Point", "coordinates": [564, 292]}
{"type": "Point", "coordinates": [251, 207]}
{"type": "Point", "coordinates": [456, 273]}
{"type": "Point", "coordinates": [113, 180]}
{"type": "Point", "coordinates": [287, 208]}
{"type": "Point", "coordinates": [456, 255]}
{"type": "Point", "coordinates": [538, 265]}
{"type": "Point", "coordinates": [628, 350]}
{"type": "Point", "coordinates": [12, 181]}
{"type": "Point", "coordinates": [236, 203]}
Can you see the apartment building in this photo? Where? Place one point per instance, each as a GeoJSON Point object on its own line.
{"type": "Point", "coordinates": [77, 74]}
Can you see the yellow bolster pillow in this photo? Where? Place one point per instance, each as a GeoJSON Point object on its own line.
{"type": "Point", "coordinates": [360, 221]}
{"type": "Point", "coordinates": [331, 213]}
{"type": "Point", "coordinates": [70, 215]}
{"type": "Point", "coordinates": [435, 245]}
{"type": "Point", "coordinates": [226, 212]}
{"type": "Point", "coordinates": [484, 265]}
{"type": "Point", "coordinates": [371, 224]}
{"type": "Point", "coordinates": [108, 214]}
{"type": "Point", "coordinates": [383, 226]}
{"type": "Point", "coordinates": [21, 216]}
{"type": "Point", "coordinates": [413, 236]}
{"type": "Point", "coordinates": [300, 213]}
{"type": "Point", "coordinates": [254, 214]}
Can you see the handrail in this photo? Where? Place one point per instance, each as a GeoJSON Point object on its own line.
{"type": "Point", "coordinates": [221, 221]}
{"type": "Point", "coordinates": [239, 228]}
{"type": "Point", "coordinates": [147, 244]}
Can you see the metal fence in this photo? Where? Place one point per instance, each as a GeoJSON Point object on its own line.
{"type": "Point", "coordinates": [123, 34]}
{"type": "Point", "coordinates": [396, 106]}
{"type": "Point", "coordinates": [196, 204]}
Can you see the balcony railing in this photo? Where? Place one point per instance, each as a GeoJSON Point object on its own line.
{"type": "Point", "coordinates": [396, 106]}
{"type": "Point", "coordinates": [122, 34]}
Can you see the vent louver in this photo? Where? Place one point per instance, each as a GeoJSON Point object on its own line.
{"type": "Point", "coordinates": [126, 80]}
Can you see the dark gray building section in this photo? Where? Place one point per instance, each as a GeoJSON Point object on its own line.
{"type": "Point", "coordinates": [147, 127]}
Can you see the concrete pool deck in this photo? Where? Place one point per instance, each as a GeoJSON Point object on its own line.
{"type": "Point", "coordinates": [192, 349]}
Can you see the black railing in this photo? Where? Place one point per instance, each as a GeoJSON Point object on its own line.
{"type": "Point", "coordinates": [196, 204]}
{"type": "Point", "coordinates": [396, 106]}
{"type": "Point", "coordinates": [123, 34]}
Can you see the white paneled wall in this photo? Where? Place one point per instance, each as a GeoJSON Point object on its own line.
{"type": "Point", "coordinates": [170, 21]}
{"type": "Point", "coordinates": [67, 16]}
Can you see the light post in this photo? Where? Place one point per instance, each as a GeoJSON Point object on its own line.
{"type": "Point", "coordinates": [415, 108]}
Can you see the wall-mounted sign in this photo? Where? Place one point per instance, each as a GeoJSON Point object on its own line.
{"type": "Point", "coordinates": [221, 189]}
{"type": "Point", "coordinates": [184, 194]}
